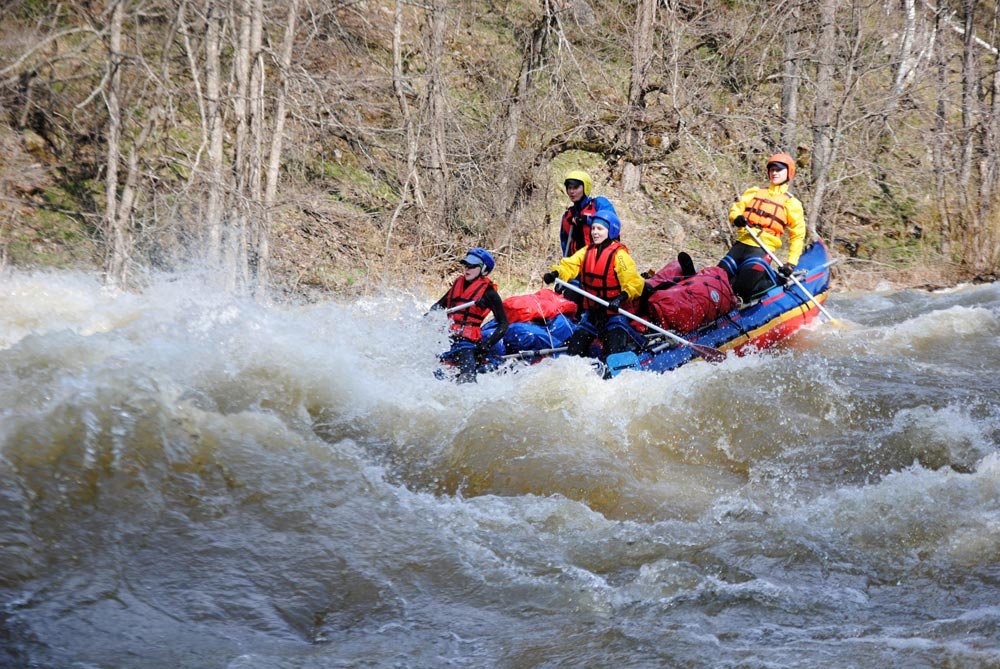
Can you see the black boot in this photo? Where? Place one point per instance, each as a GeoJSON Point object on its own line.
{"type": "Point", "coordinates": [687, 265]}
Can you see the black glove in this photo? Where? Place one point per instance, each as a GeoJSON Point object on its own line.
{"type": "Point", "coordinates": [740, 221]}
{"type": "Point", "coordinates": [580, 219]}
{"type": "Point", "coordinates": [481, 303]}
{"type": "Point", "coordinates": [784, 272]}
{"type": "Point", "coordinates": [549, 277]}
{"type": "Point", "coordinates": [615, 303]}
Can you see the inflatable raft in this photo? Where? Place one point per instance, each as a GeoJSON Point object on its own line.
{"type": "Point", "coordinates": [759, 324]}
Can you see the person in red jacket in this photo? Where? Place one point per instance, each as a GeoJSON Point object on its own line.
{"type": "Point", "coordinates": [574, 229]}
{"type": "Point", "coordinates": [468, 347]}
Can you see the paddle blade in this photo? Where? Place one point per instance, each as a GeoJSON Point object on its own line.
{"type": "Point", "coordinates": [709, 353]}
{"type": "Point", "coordinates": [619, 362]}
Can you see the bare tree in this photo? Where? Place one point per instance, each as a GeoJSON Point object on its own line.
{"type": "Point", "coordinates": [116, 262]}
{"type": "Point", "coordinates": [437, 110]}
{"type": "Point", "coordinates": [411, 176]}
{"type": "Point", "coordinates": [990, 163]}
{"type": "Point", "coordinates": [914, 50]}
{"type": "Point", "coordinates": [392, 148]}
{"type": "Point", "coordinates": [940, 161]}
{"type": "Point", "coordinates": [510, 123]}
{"type": "Point", "coordinates": [642, 57]}
{"type": "Point", "coordinates": [823, 128]}
{"type": "Point", "coordinates": [214, 128]}
{"type": "Point", "coordinates": [790, 81]}
{"type": "Point", "coordinates": [277, 138]}
{"type": "Point", "coordinates": [969, 107]}
{"type": "Point", "coordinates": [121, 195]}
{"type": "Point", "coordinates": [987, 245]}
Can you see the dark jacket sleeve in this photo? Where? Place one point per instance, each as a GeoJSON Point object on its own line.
{"type": "Point", "coordinates": [495, 304]}
{"type": "Point", "coordinates": [440, 303]}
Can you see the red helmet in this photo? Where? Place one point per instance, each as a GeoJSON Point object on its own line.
{"type": "Point", "coordinates": [783, 159]}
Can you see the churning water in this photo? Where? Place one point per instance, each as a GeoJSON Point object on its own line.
{"type": "Point", "coordinates": [194, 480]}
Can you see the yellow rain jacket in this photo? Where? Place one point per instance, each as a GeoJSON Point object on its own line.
{"type": "Point", "coordinates": [786, 208]}
{"type": "Point", "coordinates": [629, 278]}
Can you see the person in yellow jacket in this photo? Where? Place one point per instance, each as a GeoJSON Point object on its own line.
{"type": "Point", "coordinates": [774, 211]}
{"type": "Point", "coordinates": [607, 271]}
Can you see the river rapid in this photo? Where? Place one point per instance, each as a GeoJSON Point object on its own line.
{"type": "Point", "coordinates": [190, 479]}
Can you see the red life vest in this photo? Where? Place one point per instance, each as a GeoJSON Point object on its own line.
{"type": "Point", "coordinates": [598, 276]}
{"type": "Point", "coordinates": [567, 228]}
{"type": "Point", "coordinates": [465, 323]}
{"type": "Point", "coordinates": [768, 214]}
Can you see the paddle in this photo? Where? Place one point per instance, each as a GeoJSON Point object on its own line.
{"type": "Point", "coordinates": [459, 307]}
{"type": "Point", "coordinates": [771, 256]}
{"type": "Point", "coordinates": [535, 353]}
{"type": "Point", "coordinates": [707, 352]}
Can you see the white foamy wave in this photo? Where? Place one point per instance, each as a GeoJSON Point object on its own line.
{"type": "Point", "coordinates": [949, 436]}
{"type": "Point", "coordinates": [916, 518]}
{"type": "Point", "coordinates": [929, 330]}
{"type": "Point", "coordinates": [41, 301]}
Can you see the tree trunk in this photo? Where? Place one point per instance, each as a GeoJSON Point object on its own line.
{"type": "Point", "coordinates": [411, 179]}
{"type": "Point", "coordinates": [790, 82]}
{"type": "Point", "coordinates": [967, 223]}
{"type": "Point", "coordinates": [274, 152]}
{"type": "Point", "coordinates": [907, 61]}
{"type": "Point", "coordinates": [437, 112]}
{"type": "Point", "coordinates": [970, 76]}
{"type": "Point", "coordinates": [236, 244]}
{"type": "Point", "coordinates": [642, 57]}
{"type": "Point", "coordinates": [987, 243]}
{"type": "Point", "coordinates": [823, 115]}
{"type": "Point", "coordinates": [941, 164]}
{"type": "Point", "coordinates": [214, 219]}
{"type": "Point", "coordinates": [510, 122]}
{"type": "Point", "coordinates": [256, 228]}
{"type": "Point", "coordinates": [117, 255]}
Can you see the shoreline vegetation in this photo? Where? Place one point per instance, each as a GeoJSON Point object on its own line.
{"type": "Point", "coordinates": [336, 149]}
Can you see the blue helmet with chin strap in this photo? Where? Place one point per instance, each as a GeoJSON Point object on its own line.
{"type": "Point", "coordinates": [477, 257]}
{"type": "Point", "coordinates": [609, 219]}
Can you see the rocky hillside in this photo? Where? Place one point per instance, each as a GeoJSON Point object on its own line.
{"type": "Point", "coordinates": [414, 131]}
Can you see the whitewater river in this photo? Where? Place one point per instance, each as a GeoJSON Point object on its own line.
{"type": "Point", "coordinates": [194, 480]}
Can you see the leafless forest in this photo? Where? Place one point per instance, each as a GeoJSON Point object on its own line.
{"type": "Point", "coordinates": [338, 146]}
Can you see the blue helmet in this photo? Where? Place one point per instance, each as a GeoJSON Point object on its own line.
{"type": "Point", "coordinates": [478, 256]}
{"type": "Point", "coordinates": [609, 219]}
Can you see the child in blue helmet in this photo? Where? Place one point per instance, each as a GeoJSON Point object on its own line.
{"type": "Point", "coordinates": [468, 346]}
{"type": "Point", "coordinates": [607, 271]}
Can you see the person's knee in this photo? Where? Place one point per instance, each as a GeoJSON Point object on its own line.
{"type": "Point", "coordinates": [465, 359]}
{"type": "Point", "coordinates": [579, 343]}
{"type": "Point", "coordinates": [750, 281]}
{"type": "Point", "coordinates": [615, 340]}
{"type": "Point", "coordinates": [727, 263]}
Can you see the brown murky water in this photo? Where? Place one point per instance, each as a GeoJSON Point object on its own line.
{"type": "Point", "coordinates": [189, 479]}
